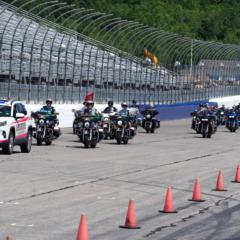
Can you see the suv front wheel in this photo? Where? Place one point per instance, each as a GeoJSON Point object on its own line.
{"type": "Point", "coordinates": [8, 148]}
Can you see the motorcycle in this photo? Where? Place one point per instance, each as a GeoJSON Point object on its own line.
{"type": "Point", "coordinates": [46, 129]}
{"type": "Point", "coordinates": [88, 130]}
{"type": "Point", "coordinates": [194, 120]}
{"type": "Point", "coordinates": [149, 123]}
{"type": "Point", "coordinates": [206, 126]}
{"type": "Point", "coordinates": [220, 117]}
{"type": "Point", "coordinates": [232, 121]}
{"type": "Point", "coordinates": [108, 130]}
{"type": "Point", "coordinates": [122, 129]}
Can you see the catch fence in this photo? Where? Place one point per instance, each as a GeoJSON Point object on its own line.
{"type": "Point", "coordinates": [42, 59]}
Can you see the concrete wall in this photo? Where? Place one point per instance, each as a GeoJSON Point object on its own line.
{"type": "Point", "coordinates": [166, 111]}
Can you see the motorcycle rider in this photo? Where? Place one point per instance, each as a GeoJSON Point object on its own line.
{"type": "Point", "coordinates": [110, 108]}
{"type": "Point", "coordinates": [222, 108]}
{"type": "Point", "coordinates": [48, 107]}
{"type": "Point", "coordinates": [134, 112]}
{"type": "Point", "coordinates": [124, 111]}
{"type": "Point", "coordinates": [50, 110]}
{"type": "Point", "coordinates": [88, 108]}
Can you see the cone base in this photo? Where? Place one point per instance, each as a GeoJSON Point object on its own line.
{"type": "Point", "coordinates": [217, 190]}
{"type": "Point", "coordinates": [162, 211]}
{"type": "Point", "coordinates": [236, 181]}
{"type": "Point", "coordinates": [126, 227]}
{"type": "Point", "coordinates": [200, 200]}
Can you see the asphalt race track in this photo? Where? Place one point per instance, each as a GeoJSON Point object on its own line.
{"type": "Point", "coordinates": [44, 193]}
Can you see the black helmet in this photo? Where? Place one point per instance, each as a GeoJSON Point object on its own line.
{"type": "Point", "coordinates": [49, 101]}
{"type": "Point", "coordinates": [124, 104]}
{"type": "Point", "coordinates": [110, 102]}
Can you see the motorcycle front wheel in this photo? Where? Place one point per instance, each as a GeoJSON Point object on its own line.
{"type": "Point", "coordinates": [39, 139]}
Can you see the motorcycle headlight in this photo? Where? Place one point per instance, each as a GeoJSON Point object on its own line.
{"type": "Point", "coordinates": [2, 124]}
{"type": "Point", "coordinates": [148, 116]}
{"type": "Point", "coordinates": [105, 120]}
{"type": "Point", "coordinates": [87, 124]}
{"type": "Point", "coordinates": [41, 121]}
{"type": "Point", "coordinates": [120, 122]}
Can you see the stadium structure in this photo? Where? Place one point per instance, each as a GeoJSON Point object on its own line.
{"type": "Point", "coordinates": [51, 49]}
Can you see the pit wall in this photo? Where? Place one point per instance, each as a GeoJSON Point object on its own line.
{"type": "Point", "coordinates": [166, 111]}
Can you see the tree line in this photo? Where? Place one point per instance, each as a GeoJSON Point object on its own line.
{"type": "Point", "coordinates": [208, 20]}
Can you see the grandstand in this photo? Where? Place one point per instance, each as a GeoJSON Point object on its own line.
{"type": "Point", "coordinates": [41, 59]}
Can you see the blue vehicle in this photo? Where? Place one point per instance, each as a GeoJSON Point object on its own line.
{"type": "Point", "coordinates": [232, 121]}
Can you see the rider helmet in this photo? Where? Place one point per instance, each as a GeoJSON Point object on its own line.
{"type": "Point", "coordinates": [110, 103]}
{"type": "Point", "coordinates": [49, 101]}
{"type": "Point", "coordinates": [124, 105]}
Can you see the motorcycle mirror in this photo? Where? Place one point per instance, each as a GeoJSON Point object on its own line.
{"type": "Point", "coordinates": [73, 110]}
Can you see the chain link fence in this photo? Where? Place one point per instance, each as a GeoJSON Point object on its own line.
{"type": "Point", "coordinates": [42, 59]}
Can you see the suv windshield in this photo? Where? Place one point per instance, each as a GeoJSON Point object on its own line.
{"type": "Point", "coordinates": [5, 111]}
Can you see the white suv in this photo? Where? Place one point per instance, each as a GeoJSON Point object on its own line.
{"type": "Point", "coordinates": [15, 127]}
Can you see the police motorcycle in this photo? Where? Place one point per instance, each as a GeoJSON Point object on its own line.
{"type": "Point", "coordinates": [122, 128]}
{"type": "Point", "coordinates": [107, 124]}
{"type": "Point", "coordinates": [46, 127]}
{"type": "Point", "coordinates": [149, 123]}
{"type": "Point", "coordinates": [108, 130]}
{"type": "Point", "coordinates": [194, 120]}
{"type": "Point", "coordinates": [207, 124]}
{"type": "Point", "coordinates": [232, 120]}
{"type": "Point", "coordinates": [88, 129]}
{"type": "Point", "coordinates": [220, 117]}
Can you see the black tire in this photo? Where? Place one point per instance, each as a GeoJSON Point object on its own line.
{"type": "Point", "coordinates": [39, 139]}
{"type": "Point", "coordinates": [119, 139]}
{"type": "Point", "coordinates": [26, 147]}
{"type": "Point", "coordinates": [152, 130]}
{"type": "Point", "coordinates": [105, 135]}
{"type": "Point", "coordinates": [125, 141]}
{"type": "Point", "coordinates": [204, 134]}
{"type": "Point", "coordinates": [74, 126]}
{"type": "Point", "coordinates": [8, 148]}
{"type": "Point", "coordinates": [111, 135]}
{"type": "Point", "coordinates": [48, 142]}
{"type": "Point", "coordinates": [86, 142]}
{"type": "Point", "coordinates": [93, 145]}
{"type": "Point", "coordinates": [147, 130]}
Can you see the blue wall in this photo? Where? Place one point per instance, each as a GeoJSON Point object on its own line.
{"type": "Point", "coordinates": [176, 111]}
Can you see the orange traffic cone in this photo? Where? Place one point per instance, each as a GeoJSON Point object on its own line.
{"type": "Point", "coordinates": [196, 197]}
{"type": "Point", "coordinates": [168, 206]}
{"type": "Point", "coordinates": [220, 183]}
{"type": "Point", "coordinates": [8, 238]}
{"type": "Point", "coordinates": [83, 229]}
{"type": "Point", "coordinates": [237, 176]}
{"type": "Point", "coordinates": [131, 219]}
